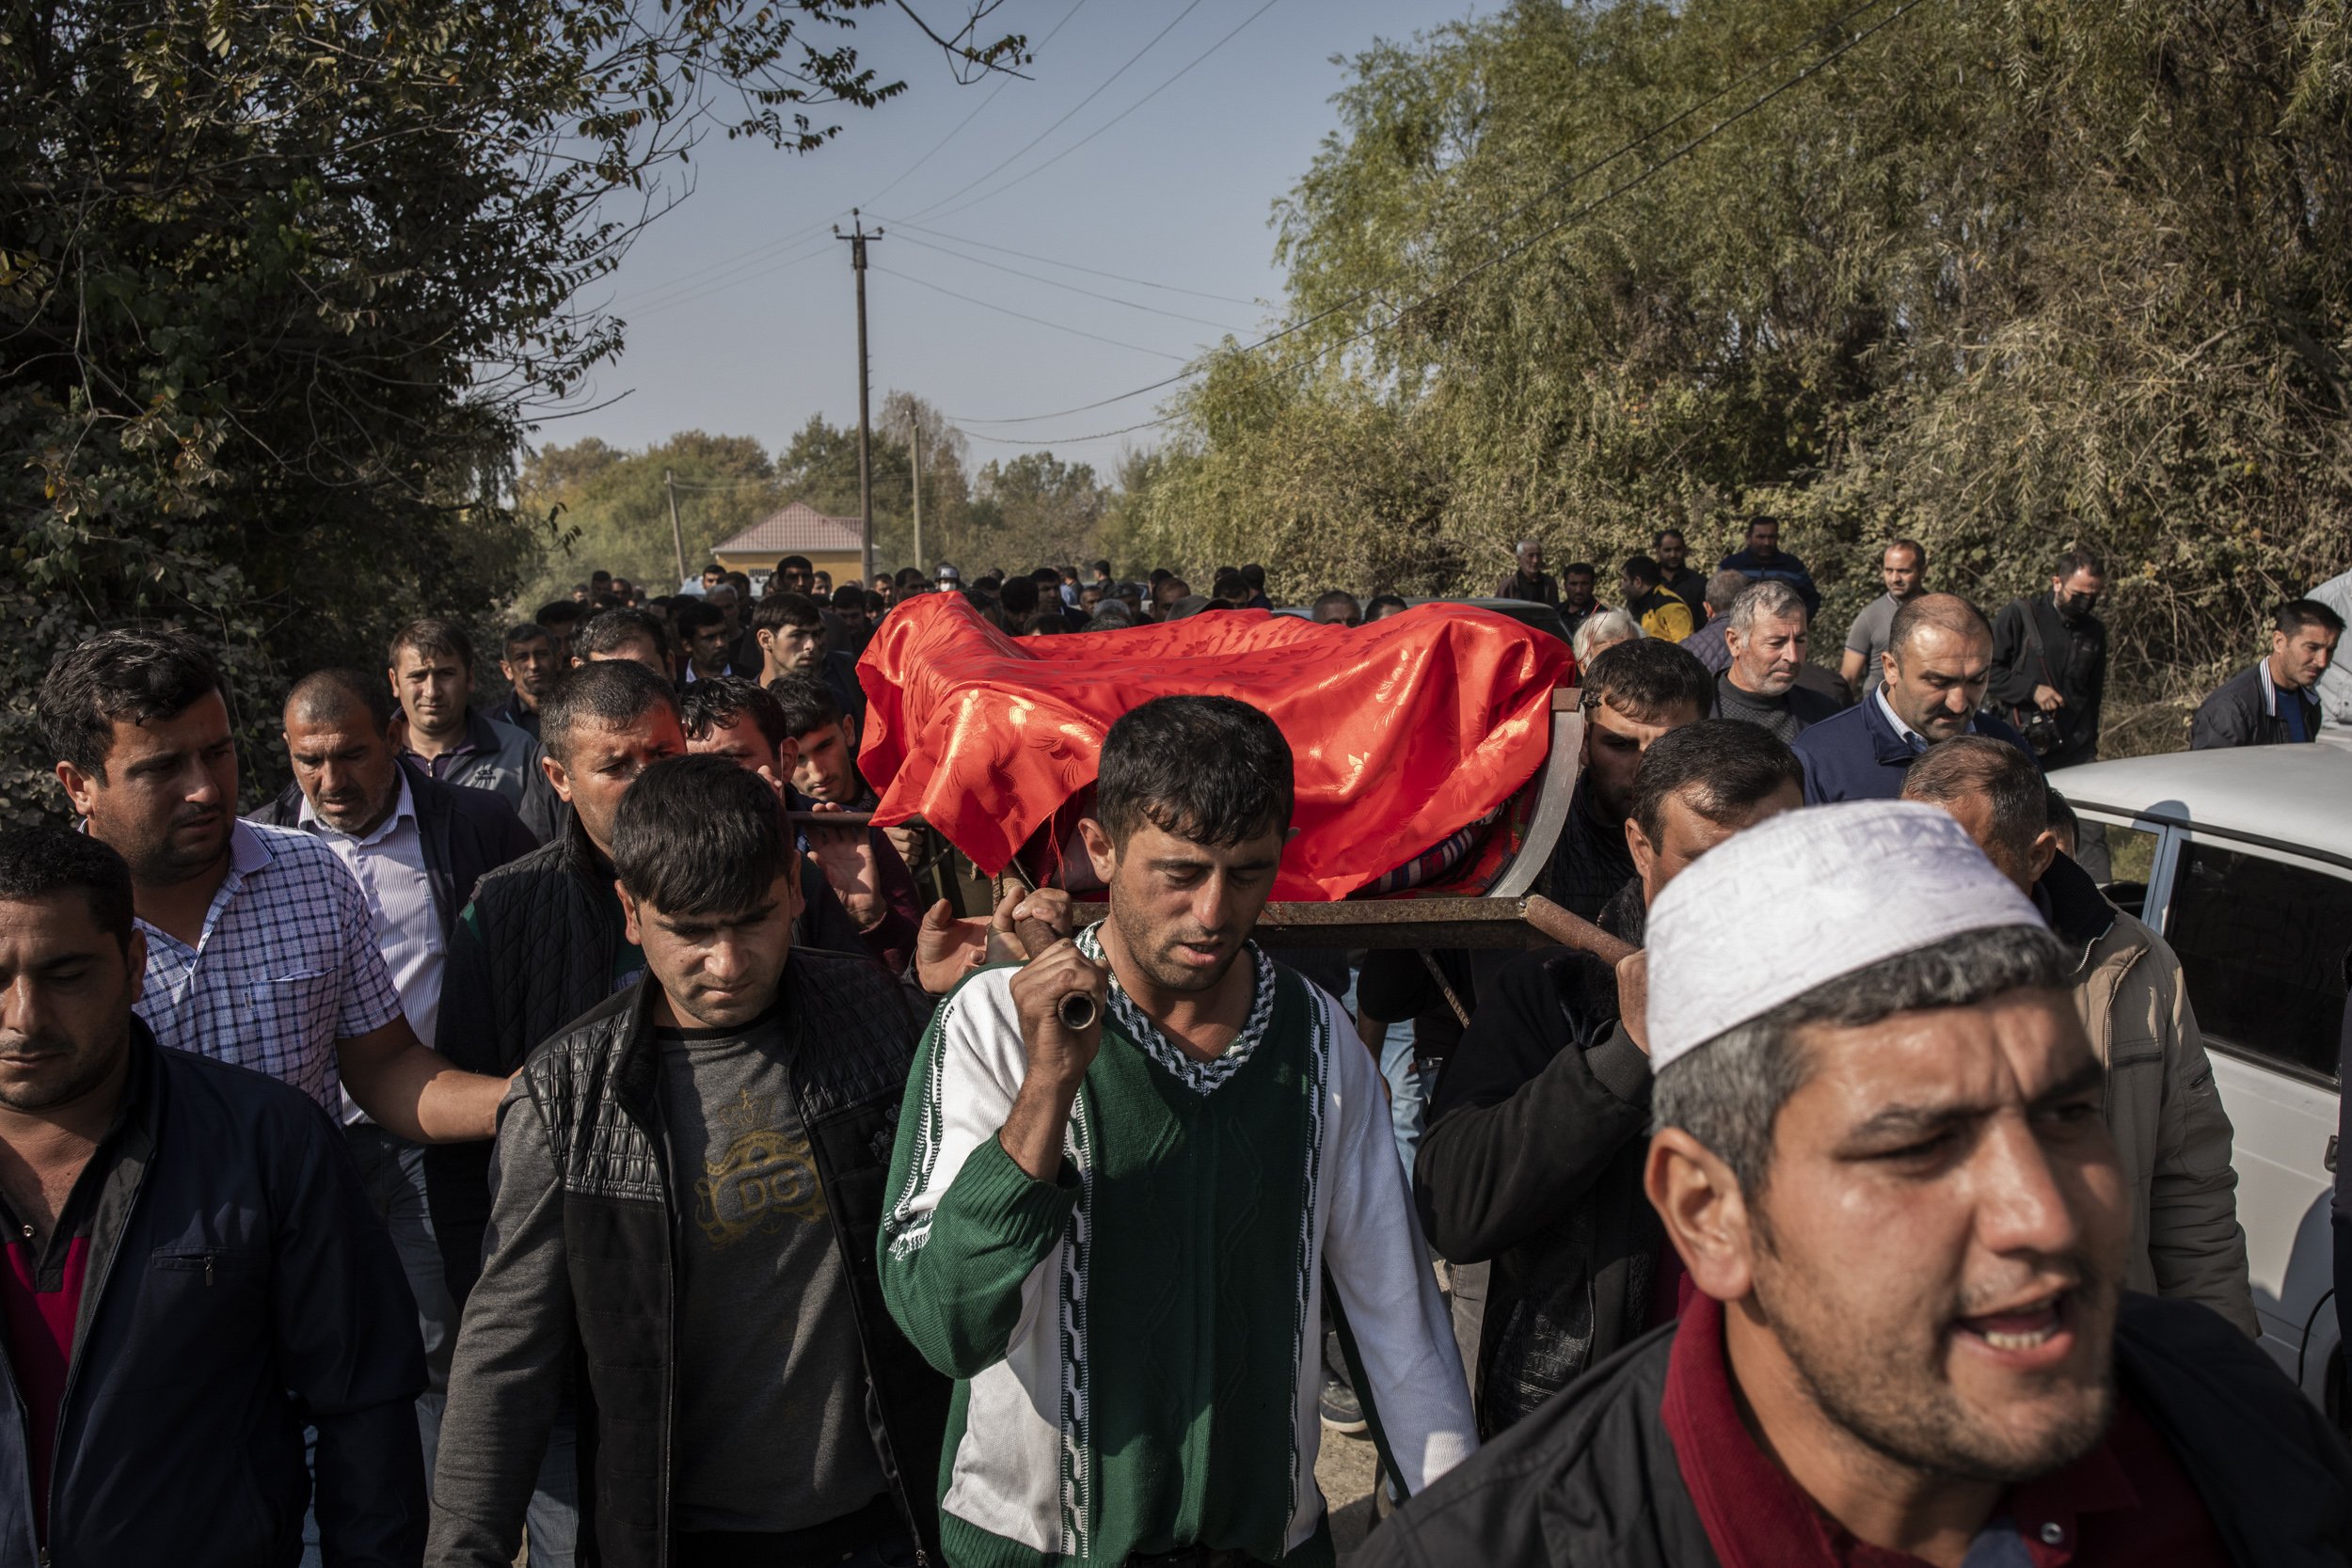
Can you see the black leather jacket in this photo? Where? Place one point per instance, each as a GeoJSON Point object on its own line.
{"type": "Point", "coordinates": [852, 1030]}
{"type": "Point", "coordinates": [538, 947]}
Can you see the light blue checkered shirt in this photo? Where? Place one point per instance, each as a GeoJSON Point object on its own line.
{"type": "Point", "coordinates": [285, 966]}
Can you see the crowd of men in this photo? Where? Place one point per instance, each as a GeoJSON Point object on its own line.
{"type": "Point", "coordinates": [570, 1126]}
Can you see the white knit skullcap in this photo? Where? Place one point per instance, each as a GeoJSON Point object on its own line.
{"type": "Point", "coordinates": [1807, 896]}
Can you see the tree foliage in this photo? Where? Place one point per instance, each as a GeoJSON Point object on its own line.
{"type": "Point", "coordinates": [282, 283]}
{"type": "Point", "coordinates": [2000, 277]}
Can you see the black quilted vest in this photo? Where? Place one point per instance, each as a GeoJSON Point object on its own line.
{"type": "Point", "coordinates": [852, 1032]}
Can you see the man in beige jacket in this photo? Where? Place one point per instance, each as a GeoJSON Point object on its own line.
{"type": "Point", "coordinates": [2161, 1105]}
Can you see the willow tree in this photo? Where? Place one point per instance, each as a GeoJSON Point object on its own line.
{"type": "Point", "coordinates": [2000, 277]}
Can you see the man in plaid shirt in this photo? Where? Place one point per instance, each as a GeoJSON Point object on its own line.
{"type": "Point", "coordinates": [261, 949]}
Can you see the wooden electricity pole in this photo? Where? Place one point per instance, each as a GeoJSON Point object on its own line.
{"type": "Point", "coordinates": [857, 237]}
{"type": "Point", "coordinates": [915, 430]}
{"type": "Point", "coordinates": [677, 539]}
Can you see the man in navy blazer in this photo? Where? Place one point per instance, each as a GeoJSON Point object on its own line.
{"type": "Point", "coordinates": [1939, 656]}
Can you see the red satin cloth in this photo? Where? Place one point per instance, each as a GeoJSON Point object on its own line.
{"type": "Point", "coordinates": [1401, 732]}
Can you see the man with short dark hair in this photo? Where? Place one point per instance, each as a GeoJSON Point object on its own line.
{"type": "Point", "coordinates": [1253, 578]}
{"type": "Point", "coordinates": [792, 634]}
{"type": "Point", "coordinates": [1577, 601]}
{"type": "Point", "coordinates": [712, 576]}
{"type": "Point", "coordinates": [1761, 559]}
{"type": "Point", "coordinates": [1906, 1335]}
{"type": "Point", "coordinates": [416, 848]}
{"type": "Point", "coordinates": [855, 610]}
{"type": "Point", "coordinates": [1939, 656]}
{"type": "Point", "coordinates": [1634, 693]}
{"type": "Point", "coordinates": [684, 1209]}
{"type": "Point", "coordinates": [732, 717]}
{"type": "Point", "coordinates": [1035, 1244]}
{"type": "Point", "coordinates": [794, 575]}
{"type": "Point", "coordinates": [1538, 1133]}
{"type": "Point", "coordinates": [1903, 568]}
{"type": "Point", "coordinates": [1673, 553]}
{"type": "Point", "coordinates": [528, 660]}
{"type": "Point", "coordinates": [1766, 634]}
{"type": "Point", "coordinates": [2277, 702]}
{"type": "Point", "coordinates": [562, 620]}
{"type": "Point", "coordinates": [431, 671]}
{"type": "Point", "coordinates": [2050, 662]}
{"type": "Point", "coordinates": [624, 633]}
{"type": "Point", "coordinates": [259, 948]}
{"type": "Point", "coordinates": [1381, 605]}
{"type": "Point", "coordinates": [1660, 614]}
{"type": "Point", "coordinates": [1710, 644]}
{"type": "Point", "coordinates": [194, 1275]}
{"type": "Point", "coordinates": [1337, 607]}
{"type": "Point", "coordinates": [2169, 1127]}
{"type": "Point", "coordinates": [701, 631]}
{"type": "Point", "coordinates": [1529, 580]}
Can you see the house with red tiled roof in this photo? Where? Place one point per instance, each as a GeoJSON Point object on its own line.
{"type": "Point", "coordinates": [831, 544]}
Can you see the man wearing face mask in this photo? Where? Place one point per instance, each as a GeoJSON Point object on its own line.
{"type": "Point", "coordinates": [2050, 662]}
{"type": "Point", "coordinates": [1534, 1149]}
{"type": "Point", "coordinates": [1880, 1156]}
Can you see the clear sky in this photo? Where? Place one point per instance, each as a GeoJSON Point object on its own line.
{"type": "Point", "coordinates": [739, 304]}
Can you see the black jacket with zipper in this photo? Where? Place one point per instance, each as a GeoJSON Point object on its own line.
{"type": "Point", "coordinates": [238, 1287]}
{"type": "Point", "coordinates": [1592, 1476]}
{"type": "Point", "coordinates": [467, 833]}
{"type": "Point", "coordinates": [607, 1261]}
{"type": "Point", "coordinates": [1532, 1160]}
{"type": "Point", "coordinates": [539, 946]}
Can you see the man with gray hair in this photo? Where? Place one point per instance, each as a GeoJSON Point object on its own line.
{"type": "Point", "coordinates": [1766, 634]}
{"type": "Point", "coordinates": [2169, 1124]}
{"type": "Point", "coordinates": [1706, 644]}
{"type": "Point", "coordinates": [1904, 1333]}
{"type": "Point", "coordinates": [1530, 581]}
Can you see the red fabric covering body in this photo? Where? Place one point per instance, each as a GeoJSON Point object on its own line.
{"type": "Point", "coordinates": [1400, 733]}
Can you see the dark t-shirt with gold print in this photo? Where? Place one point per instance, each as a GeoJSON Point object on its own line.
{"type": "Point", "coordinates": [771, 1426]}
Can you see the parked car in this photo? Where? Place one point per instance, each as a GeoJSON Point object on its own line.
{"type": "Point", "coordinates": [2242, 859]}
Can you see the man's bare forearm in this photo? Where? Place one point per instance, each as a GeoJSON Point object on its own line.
{"type": "Point", "coordinates": [413, 1091]}
{"type": "Point", "coordinates": [1033, 1130]}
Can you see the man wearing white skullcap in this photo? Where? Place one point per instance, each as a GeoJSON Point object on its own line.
{"type": "Point", "coordinates": [1879, 1153]}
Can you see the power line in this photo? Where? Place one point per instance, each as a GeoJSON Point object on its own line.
{"type": "Point", "coordinates": [1082, 103]}
{"type": "Point", "coordinates": [1041, 321]}
{"type": "Point", "coordinates": [1073, 266]}
{"type": "Point", "coordinates": [1018, 179]}
{"type": "Point", "coordinates": [1071, 288]}
{"type": "Point", "coordinates": [1499, 258]}
{"type": "Point", "coordinates": [1558, 186]}
{"type": "Point", "coordinates": [719, 285]}
{"type": "Point", "coordinates": [970, 118]}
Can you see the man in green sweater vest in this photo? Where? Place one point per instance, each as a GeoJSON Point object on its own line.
{"type": "Point", "coordinates": [1116, 1238]}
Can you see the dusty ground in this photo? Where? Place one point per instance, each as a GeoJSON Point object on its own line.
{"type": "Point", "coordinates": [1343, 1468]}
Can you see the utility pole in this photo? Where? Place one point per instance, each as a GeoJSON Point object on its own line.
{"type": "Point", "coordinates": [677, 540]}
{"type": "Point", "coordinates": [857, 237]}
{"type": "Point", "coordinates": [914, 428]}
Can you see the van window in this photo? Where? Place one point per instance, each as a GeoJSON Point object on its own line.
{"type": "Point", "coordinates": [2262, 945]}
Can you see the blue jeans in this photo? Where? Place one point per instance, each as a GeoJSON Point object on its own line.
{"type": "Point", "coordinates": [392, 1170]}
{"type": "Point", "coordinates": [1408, 1092]}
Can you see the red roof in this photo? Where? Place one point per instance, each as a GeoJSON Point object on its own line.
{"type": "Point", "coordinates": [797, 529]}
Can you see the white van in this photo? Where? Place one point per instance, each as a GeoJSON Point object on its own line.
{"type": "Point", "coordinates": [2243, 859]}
